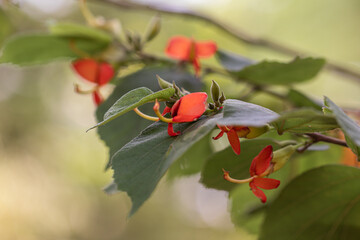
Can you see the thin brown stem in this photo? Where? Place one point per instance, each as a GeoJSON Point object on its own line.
{"type": "Point", "coordinates": [317, 137]}
{"type": "Point", "coordinates": [235, 32]}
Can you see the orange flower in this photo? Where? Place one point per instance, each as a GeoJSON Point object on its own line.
{"type": "Point", "coordinates": [261, 166]}
{"type": "Point", "coordinates": [187, 109]}
{"type": "Point", "coordinates": [96, 72]}
{"type": "Point", "coordinates": [186, 49]}
{"type": "Point", "coordinates": [233, 133]}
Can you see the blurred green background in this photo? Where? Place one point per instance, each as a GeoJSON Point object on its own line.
{"type": "Point", "coordinates": [51, 171]}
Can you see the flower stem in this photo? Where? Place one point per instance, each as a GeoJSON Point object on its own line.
{"type": "Point", "coordinates": [143, 115]}
{"type": "Point", "coordinates": [157, 112]}
{"type": "Point", "coordinates": [233, 180]}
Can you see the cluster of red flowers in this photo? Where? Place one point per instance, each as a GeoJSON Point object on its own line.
{"type": "Point", "coordinates": [189, 108]}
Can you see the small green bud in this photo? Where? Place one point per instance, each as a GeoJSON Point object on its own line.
{"type": "Point", "coordinates": [257, 131]}
{"type": "Point", "coordinates": [137, 42]}
{"type": "Point", "coordinates": [281, 156]}
{"type": "Point", "coordinates": [222, 98]}
{"type": "Point", "coordinates": [215, 91]}
{"type": "Point", "coordinates": [177, 89]}
{"type": "Point", "coordinates": [184, 91]}
{"type": "Point", "coordinates": [153, 28]}
{"type": "Point", "coordinates": [162, 83]}
{"type": "Point", "coordinates": [128, 36]}
{"type": "Point", "coordinates": [211, 106]}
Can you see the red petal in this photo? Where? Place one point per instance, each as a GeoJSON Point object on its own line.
{"type": "Point", "coordinates": [224, 128]}
{"type": "Point", "coordinates": [175, 108]}
{"type": "Point", "coordinates": [106, 73]}
{"type": "Point", "coordinates": [266, 183]}
{"type": "Point", "coordinates": [166, 110]}
{"type": "Point", "coordinates": [171, 130]}
{"type": "Point", "coordinates": [258, 192]}
{"type": "Point", "coordinates": [191, 107]}
{"type": "Point", "coordinates": [262, 161]}
{"type": "Point", "coordinates": [97, 98]}
{"type": "Point", "coordinates": [87, 68]}
{"type": "Point", "coordinates": [205, 49]}
{"type": "Point", "coordinates": [179, 48]}
{"type": "Point", "coordinates": [234, 141]}
{"type": "Point", "coordinates": [219, 135]}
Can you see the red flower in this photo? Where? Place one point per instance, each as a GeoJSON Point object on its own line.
{"type": "Point", "coordinates": [96, 72]}
{"type": "Point", "coordinates": [233, 133]}
{"type": "Point", "coordinates": [261, 166]}
{"type": "Point", "coordinates": [186, 49]}
{"type": "Point", "coordinates": [187, 109]}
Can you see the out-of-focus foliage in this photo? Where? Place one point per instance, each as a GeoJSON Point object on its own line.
{"type": "Point", "coordinates": [38, 140]}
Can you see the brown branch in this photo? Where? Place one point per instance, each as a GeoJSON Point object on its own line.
{"type": "Point", "coordinates": [235, 32]}
{"type": "Point", "coordinates": [317, 137]}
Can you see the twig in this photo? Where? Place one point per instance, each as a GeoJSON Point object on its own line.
{"type": "Point", "coordinates": [235, 32]}
{"type": "Point", "coordinates": [317, 137]}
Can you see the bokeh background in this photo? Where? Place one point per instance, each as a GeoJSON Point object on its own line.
{"type": "Point", "coordinates": [52, 172]}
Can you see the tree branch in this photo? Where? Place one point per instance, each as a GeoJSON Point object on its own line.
{"type": "Point", "coordinates": [235, 32]}
{"type": "Point", "coordinates": [317, 137]}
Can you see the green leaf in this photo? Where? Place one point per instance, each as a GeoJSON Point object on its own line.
{"type": "Point", "coordinates": [271, 72]}
{"type": "Point", "coordinates": [304, 121]}
{"type": "Point", "coordinates": [73, 30]}
{"type": "Point", "coordinates": [301, 100]}
{"type": "Point", "coordinates": [192, 161]}
{"type": "Point", "coordinates": [39, 49]}
{"type": "Point", "coordinates": [323, 203]}
{"type": "Point", "coordinates": [232, 62]}
{"type": "Point", "coordinates": [140, 164]}
{"type": "Point", "coordinates": [114, 134]}
{"type": "Point", "coordinates": [239, 113]}
{"type": "Point", "coordinates": [349, 126]}
{"type": "Point", "coordinates": [238, 165]}
{"type": "Point", "coordinates": [134, 99]}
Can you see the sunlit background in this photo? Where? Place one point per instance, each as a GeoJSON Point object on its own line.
{"type": "Point", "coordinates": [52, 172]}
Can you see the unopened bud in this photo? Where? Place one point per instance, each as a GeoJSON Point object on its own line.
{"type": "Point", "coordinates": [211, 106]}
{"type": "Point", "coordinates": [281, 156]}
{"type": "Point", "coordinates": [128, 37]}
{"type": "Point", "coordinates": [215, 91]}
{"type": "Point", "coordinates": [153, 28]}
{"type": "Point", "coordinates": [162, 83]}
{"type": "Point", "coordinates": [137, 42]}
{"type": "Point", "coordinates": [222, 98]}
{"type": "Point", "coordinates": [177, 89]}
{"type": "Point", "coordinates": [257, 131]}
{"type": "Point", "coordinates": [184, 91]}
